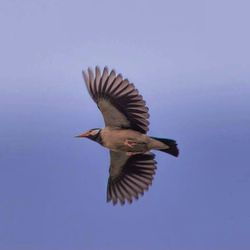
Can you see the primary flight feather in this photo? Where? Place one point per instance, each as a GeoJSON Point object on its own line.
{"type": "Point", "coordinates": [132, 165]}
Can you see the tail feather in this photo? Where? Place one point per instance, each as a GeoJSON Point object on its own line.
{"type": "Point", "coordinates": [173, 150]}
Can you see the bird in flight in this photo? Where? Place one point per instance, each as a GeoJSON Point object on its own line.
{"type": "Point", "coordinates": [132, 164]}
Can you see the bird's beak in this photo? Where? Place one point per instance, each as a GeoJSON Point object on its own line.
{"type": "Point", "coordinates": [82, 135]}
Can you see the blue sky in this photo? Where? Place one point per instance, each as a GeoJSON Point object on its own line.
{"type": "Point", "coordinates": [190, 61]}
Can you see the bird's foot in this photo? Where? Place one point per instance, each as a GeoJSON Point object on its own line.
{"type": "Point", "coordinates": [129, 143]}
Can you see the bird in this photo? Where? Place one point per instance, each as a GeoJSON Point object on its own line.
{"type": "Point", "coordinates": [132, 164]}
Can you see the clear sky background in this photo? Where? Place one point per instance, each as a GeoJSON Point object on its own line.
{"type": "Point", "coordinates": [189, 59]}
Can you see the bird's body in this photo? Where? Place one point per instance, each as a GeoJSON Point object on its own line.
{"type": "Point", "coordinates": [129, 141]}
{"type": "Point", "coordinates": [132, 165]}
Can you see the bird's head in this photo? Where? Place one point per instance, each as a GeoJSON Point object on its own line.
{"type": "Point", "coordinates": [92, 134]}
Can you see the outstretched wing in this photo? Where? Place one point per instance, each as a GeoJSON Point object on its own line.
{"type": "Point", "coordinates": [129, 176]}
{"type": "Point", "coordinates": [118, 100]}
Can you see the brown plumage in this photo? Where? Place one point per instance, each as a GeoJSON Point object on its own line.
{"type": "Point", "coordinates": [125, 114]}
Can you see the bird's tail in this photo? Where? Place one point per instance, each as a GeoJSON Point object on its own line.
{"type": "Point", "coordinates": [172, 146]}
